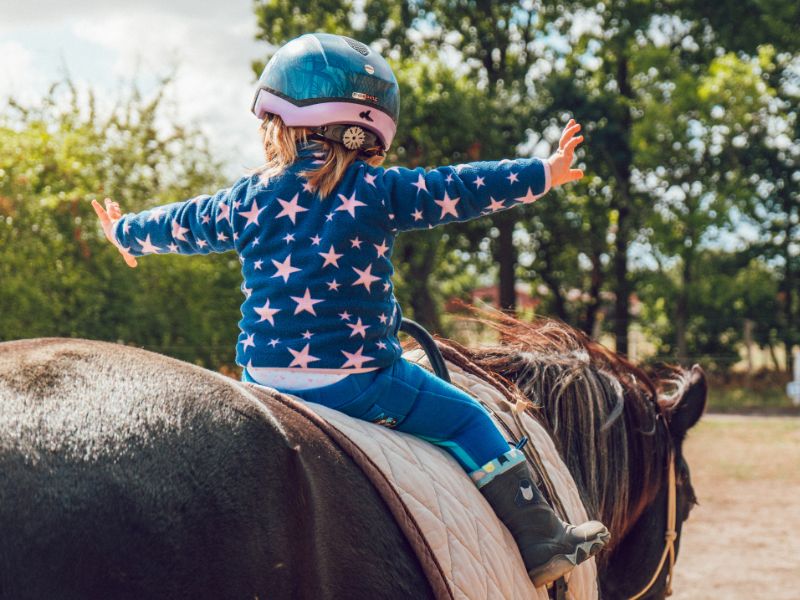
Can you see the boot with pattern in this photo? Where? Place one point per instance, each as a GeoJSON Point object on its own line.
{"type": "Point", "coordinates": [549, 547]}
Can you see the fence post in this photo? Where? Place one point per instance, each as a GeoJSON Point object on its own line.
{"type": "Point", "coordinates": [793, 387]}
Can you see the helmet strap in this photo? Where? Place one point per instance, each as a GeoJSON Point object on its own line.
{"type": "Point", "coordinates": [352, 137]}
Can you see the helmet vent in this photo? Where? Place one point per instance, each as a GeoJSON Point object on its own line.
{"type": "Point", "coordinates": [357, 46]}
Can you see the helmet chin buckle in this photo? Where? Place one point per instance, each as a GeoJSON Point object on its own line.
{"type": "Point", "coordinates": [352, 137]}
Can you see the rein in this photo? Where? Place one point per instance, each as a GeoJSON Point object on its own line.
{"type": "Point", "coordinates": [669, 536]}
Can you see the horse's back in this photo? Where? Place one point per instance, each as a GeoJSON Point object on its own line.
{"type": "Point", "coordinates": [127, 474]}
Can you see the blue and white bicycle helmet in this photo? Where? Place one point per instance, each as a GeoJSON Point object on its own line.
{"type": "Point", "coordinates": [340, 88]}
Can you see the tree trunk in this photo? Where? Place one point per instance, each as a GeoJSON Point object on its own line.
{"type": "Point", "coordinates": [590, 320]}
{"type": "Point", "coordinates": [621, 283]}
{"type": "Point", "coordinates": [789, 329]}
{"type": "Point", "coordinates": [422, 257]}
{"type": "Point", "coordinates": [748, 344]}
{"type": "Point", "coordinates": [506, 257]}
{"type": "Point", "coordinates": [682, 311]}
{"type": "Point", "coordinates": [623, 199]}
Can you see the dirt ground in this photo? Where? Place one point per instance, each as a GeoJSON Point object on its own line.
{"type": "Point", "coordinates": [743, 540]}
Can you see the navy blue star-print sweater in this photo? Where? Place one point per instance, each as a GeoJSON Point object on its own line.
{"type": "Point", "coordinates": [317, 271]}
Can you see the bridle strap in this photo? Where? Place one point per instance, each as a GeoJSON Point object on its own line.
{"type": "Point", "coordinates": [670, 536]}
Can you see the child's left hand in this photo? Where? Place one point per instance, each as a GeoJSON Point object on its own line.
{"type": "Point", "coordinates": [108, 217]}
{"type": "Point", "coordinates": [560, 162]}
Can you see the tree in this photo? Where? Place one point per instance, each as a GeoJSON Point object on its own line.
{"type": "Point", "coordinates": [60, 276]}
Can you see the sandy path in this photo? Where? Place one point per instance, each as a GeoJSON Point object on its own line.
{"type": "Point", "coordinates": [743, 541]}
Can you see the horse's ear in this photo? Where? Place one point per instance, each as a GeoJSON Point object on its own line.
{"type": "Point", "coordinates": [690, 408]}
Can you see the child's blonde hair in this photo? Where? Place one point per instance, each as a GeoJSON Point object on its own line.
{"type": "Point", "coordinates": [280, 151]}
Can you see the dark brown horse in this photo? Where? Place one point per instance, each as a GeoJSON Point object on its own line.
{"type": "Point", "coordinates": [126, 474]}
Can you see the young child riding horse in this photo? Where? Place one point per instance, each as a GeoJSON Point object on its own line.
{"type": "Point", "coordinates": [314, 231]}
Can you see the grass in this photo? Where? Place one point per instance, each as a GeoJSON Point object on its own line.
{"type": "Point", "coordinates": [733, 399]}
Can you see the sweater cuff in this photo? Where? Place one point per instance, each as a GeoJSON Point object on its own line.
{"type": "Point", "coordinates": [547, 181]}
{"type": "Point", "coordinates": [115, 231]}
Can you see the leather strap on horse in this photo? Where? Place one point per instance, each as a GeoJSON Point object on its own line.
{"type": "Point", "coordinates": [405, 520]}
{"type": "Point", "coordinates": [669, 536]}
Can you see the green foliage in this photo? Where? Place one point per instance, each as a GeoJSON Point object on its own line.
{"type": "Point", "coordinates": [728, 290]}
{"type": "Point", "coordinates": [60, 277]}
{"type": "Point", "coordinates": [692, 129]}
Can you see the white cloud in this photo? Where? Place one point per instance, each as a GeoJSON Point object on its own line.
{"type": "Point", "coordinates": [207, 46]}
{"type": "Point", "coordinates": [19, 77]}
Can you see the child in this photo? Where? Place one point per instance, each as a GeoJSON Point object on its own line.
{"type": "Point", "coordinates": [314, 231]}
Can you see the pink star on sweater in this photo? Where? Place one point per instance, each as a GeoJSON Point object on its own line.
{"type": "Point", "coordinates": [358, 328]}
{"type": "Point", "coordinates": [285, 268]}
{"type": "Point", "coordinates": [178, 231]}
{"type": "Point", "coordinates": [290, 208]}
{"type": "Point", "coordinates": [528, 198]}
{"type": "Point", "coordinates": [365, 277]}
{"type": "Point", "coordinates": [512, 178]}
{"type": "Point", "coordinates": [417, 214]}
{"type": "Point", "coordinates": [224, 212]}
{"type": "Point", "coordinates": [370, 179]}
{"type": "Point", "coordinates": [381, 249]}
{"type": "Point", "coordinates": [302, 357]}
{"type": "Point", "coordinates": [252, 214]}
{"type": "Point", "coordinates": [147, 246]}
{"type": "Point", "coordinates": [155, 214]}
{"type": "Point", "coordinates": [349, 204]}
{"type": "Point", "coordinates": [448, 205]}
{"type": "Point", "coordinates": [356, 243]}
{"type": "Point", "coordinates": [420, 184]}
{"type": "Point", "coordinates": [305, 303]}
{"type": "Point", "coordinates": [331, 257]}
{"type": "Point", "coordinates": [355, 359]}
{"type": "Point", "coordinates": [266, 313]}
{"type": "Point", "coordinates": [496, 204]}
{"type": "Point", "coordinates": [248, 342]}
{"type": "Point", "coordinates": [333, 286]}
{"type": "Point", "coordinates": [479, 182]}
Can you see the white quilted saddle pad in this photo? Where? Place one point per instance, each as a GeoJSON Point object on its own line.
{"type": "Point", "coordinates": [475, 551]}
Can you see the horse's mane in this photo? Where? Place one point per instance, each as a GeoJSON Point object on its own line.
{"type": "Point", "coordinates": [600, 408]}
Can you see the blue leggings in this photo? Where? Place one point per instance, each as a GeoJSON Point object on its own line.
{"type": "Point", "coordinates": [406, 397]}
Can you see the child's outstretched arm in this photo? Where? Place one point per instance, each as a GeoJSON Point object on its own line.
{"type": "Point", "coordinates": [417, 199]}
{"type": "Point", "coordinates": [197, 226]}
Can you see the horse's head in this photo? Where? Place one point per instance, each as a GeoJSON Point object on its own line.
{"type": "Point", "coordinates": [640, 565]}
{"type": "Point", "coordinates": [618, 430]}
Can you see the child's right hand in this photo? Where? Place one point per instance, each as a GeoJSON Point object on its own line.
{"type": "Point", "coordinates": [560, 162]}
{"type": "Point", "coordinates": [108, 217]}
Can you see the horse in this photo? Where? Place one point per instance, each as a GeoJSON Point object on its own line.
{"type": "Point", "coordinates": [128, 474]}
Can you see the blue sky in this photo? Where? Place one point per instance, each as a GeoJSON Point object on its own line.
{"type": "Point", "coordinates": [208, 44]}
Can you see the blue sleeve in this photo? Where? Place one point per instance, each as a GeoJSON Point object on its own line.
{"type": "Point", "coordinates": [418, 199]}
{"type": "Point", "coordinates": [196, 226]}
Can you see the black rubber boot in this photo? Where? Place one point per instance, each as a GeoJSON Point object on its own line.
{"type": "Point", "coordinates": [549, 547]}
